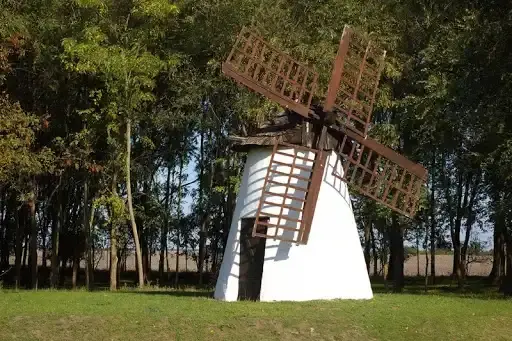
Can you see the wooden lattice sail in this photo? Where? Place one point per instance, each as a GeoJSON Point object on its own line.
{"type": "Point", "coordinates": [380, 173]}
{"type": "Point", "coordinates": [354, 80]}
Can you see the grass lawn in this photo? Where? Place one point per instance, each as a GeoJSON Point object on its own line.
{"type": "Point", "coordinates": [167, 315]}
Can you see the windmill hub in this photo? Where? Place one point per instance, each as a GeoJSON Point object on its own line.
{"type": "Point", "coordinates": [330, 118]}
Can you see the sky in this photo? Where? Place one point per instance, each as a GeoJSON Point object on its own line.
{"type": "Point", "coordinates": [191, 175]}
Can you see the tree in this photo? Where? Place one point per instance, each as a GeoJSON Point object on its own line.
{"type": "Point", "coordinates": [127, 69]}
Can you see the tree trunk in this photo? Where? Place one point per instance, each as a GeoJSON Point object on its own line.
{"type": "Point", "coordinates": [91, 247]}
{"type": "Point", "coordinates": [8, 231]}
{"type": "Point", "coordinates": [4, 241]}
{"type": "Point", "coordinates": [145, 255]}
{"type": "Point", "coordinates": [74, 277]}
{"type": "Point", "coordinates": [229, 211]}
{"type": "Point", "coordinates": [469, 223]}
{"type": "Point", "coordinates": [10, 228]}
{"type": "Point", "coordinates": [65, 219]}
{"type": "Point", "coordinates": [119, 265]}
{"type": "Point", "coordinates": [426, 257]}
{"type": "Point", "coordinates": [176, 279]}
{"type": "Point", "coordinates": [33, 240]}
{"type": "Point", "coordinates": [506, 286]}
{"type": "Point", "coordinates": [19, 247]}
{"type": "Point", "coordinates": [10, 234]}
{"type": "Point", "coordinates": [498, 265]}
{"type": "Point", "coordinates": [113, 239]}
{"type": "Point", "coordinates": [374, 253]}
{"type": "Point", "coordinates": [149, 260]}
{"type": "Point", "coordinates": [384, 254]}
{"type": "Point", "coordinates": [25, 246]}
{"type": "Point", "coordinates": [113, 257]}
{"type": "Point", "coordinates": [367, 244]}
{"type": "Point", "coordinates": [130, 204]}
{"type": "Point", "coordinates": [165, 229]}
{"type": "Point", "coordinates": [462, 202]}
{"type": "Point", "coordinates": [418, 252]}
{"type": "Point", "coordinates": [167, 262]}
{"type": "Point", "coordinates": [396, 257]}
{"type": "Point", "coordinates": [202, 230]}
{"type": "Point", "coordinates": [87, 221]}
{"type": "Point", "coordinates": [433, 227]}
{"type": "Point", "coordinates": [503, 256]}
{"type": "Point", "coordinates": [494, 275]}
{"type": "Point", "coordinates": [215, 255]}
{"type": "Point", "coordinates": [44, 235]}
{"type": "Point", "coordinates": [56, 227]}
{"type": "Point", "coordinates": [145, 241]}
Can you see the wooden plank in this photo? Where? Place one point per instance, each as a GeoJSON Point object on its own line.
{"type": "Point", "coordinates": [314, 189]}
{"type": "Point", "coordinates": [284, 196]}
{"type": "Point", "coordinates": [337, 70]}
{"type": "Point", "coordinates": [272, 215]}
{"type": "Point", "coordinates": [280, 238]}
{"type": "Point", "coordinates": [298, 188]}
{"type": "Point", "coordinates": [298, 147]}
{"type": "Point", "coordinates": [293, 208]}
{"type": "Point", "coordinates": [295, 156]}
{"type": "Point", "coordinates": [280, 227]}
{"type": "Point", "coordinates": [389, 154]}
{"type": "Point", "coordinates": [307, 169]}
{"type": "Point", "coordinates": [291, 175]}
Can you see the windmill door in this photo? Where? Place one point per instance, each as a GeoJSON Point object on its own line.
{"type": "Point", "coordinates": [252, 255]}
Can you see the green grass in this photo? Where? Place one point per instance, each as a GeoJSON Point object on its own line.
{"type": "Point", "coordinates": [186, 315]}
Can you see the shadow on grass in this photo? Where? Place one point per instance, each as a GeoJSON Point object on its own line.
{"type": "Point", "coordinates": [474, 288]}
{"type": "Point", "coordinates": [174, 293]}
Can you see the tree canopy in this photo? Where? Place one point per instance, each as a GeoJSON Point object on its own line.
{"type": "Point", "coordinates": [105, 100]}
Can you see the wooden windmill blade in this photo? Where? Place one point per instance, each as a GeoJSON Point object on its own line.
{"type": "Point", "coordinates": [354, 80]}
{"type": "Point", "coordinates": [369, 167]}
{"type": "Point", "coordinates": [270, 72]}
{"type": "Point", "coordinates": [380, 173]}
{"type": "Point", "coordinates": [290, 192]}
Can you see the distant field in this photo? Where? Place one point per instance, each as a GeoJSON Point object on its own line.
{"type": "Point", "coordinates": [443, 264]}
{"type": "Point", "coordinates": [187, 315]}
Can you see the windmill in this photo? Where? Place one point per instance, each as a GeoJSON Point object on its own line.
{"type": "Point", "coordinates": [293, 235]}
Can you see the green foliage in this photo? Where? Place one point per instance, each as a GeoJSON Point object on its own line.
{"type": "Point", "coordinates": [19, 157]}
{"type": "Point", "coordinates": [91, 3]}
{"type": "Point", "coordinates": [158, 9]}
{"type": "Point", "coordinates": [116, 207]}
{"type": "Point", "coordinates": [126, 72]}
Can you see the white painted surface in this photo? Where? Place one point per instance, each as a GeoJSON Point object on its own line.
{"type": "Point", "coordinates": [330, 266]}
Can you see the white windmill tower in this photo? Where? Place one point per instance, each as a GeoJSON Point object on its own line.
{"type": "Point", "coordinates": [293, 235]}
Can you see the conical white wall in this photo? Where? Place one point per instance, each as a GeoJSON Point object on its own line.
{"type": "Point", "coordinates": [330, 266]}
